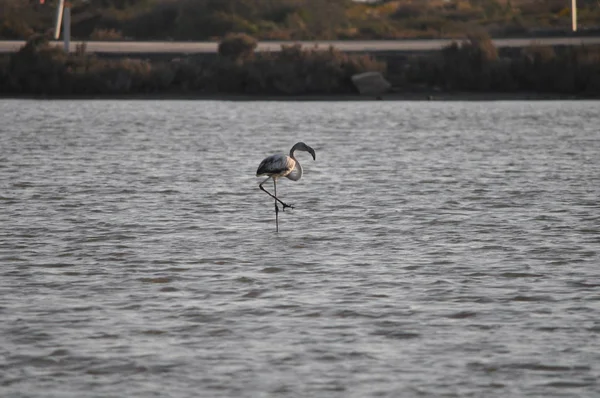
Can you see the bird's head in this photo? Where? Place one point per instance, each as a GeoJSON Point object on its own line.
{"type": "Point", "coordinates": [301, 146]}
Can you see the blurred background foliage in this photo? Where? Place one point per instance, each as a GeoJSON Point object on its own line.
{"type": "Point", "coordinates": [470, 65]}
{"type": "Point", "coordinates": [296, 19]}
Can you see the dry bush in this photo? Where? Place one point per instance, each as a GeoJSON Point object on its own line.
{"type": "Point", "coordinates": [15, 29]}
{"type": "Point", "coordinates": [237, 46]}
{"type": "Point", "coordinates": [538, 53]}
{"type": "Point", "coordinates": [106, 34]}
{"type": "Point", "coordinates": [126, 75]}
{"type": "Point", "coordinates": [481, 44]}
{"type": "Point", "coordinates": [81, 49]}
{"type": "Point", "coordinates": [469, 65]}
{"type": "Point", "coordinates": [296, 70]}
{"type": "Point", "coordinates": [37, 67]}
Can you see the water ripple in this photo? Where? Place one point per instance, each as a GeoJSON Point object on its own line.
{"type": "Point", "coordinates": [436, 249]}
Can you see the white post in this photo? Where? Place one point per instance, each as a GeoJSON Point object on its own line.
{"type": "Point", "coordinates": [67, 28]}
{"type": "Point", "coordinates": [59, 16]}
{"type": "Point", "coordinates": [574, 15]}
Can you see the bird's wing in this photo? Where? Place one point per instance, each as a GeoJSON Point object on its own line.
{"type": "Point", "coordinates": [275, 164]}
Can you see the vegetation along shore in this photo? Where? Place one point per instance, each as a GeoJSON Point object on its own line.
{"type": "Point", "coordinates": [298, 19]}
{"type": "Point", "coordinates": [473, 66]}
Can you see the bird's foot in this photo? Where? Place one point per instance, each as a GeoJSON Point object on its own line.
{"type": "Point", "coordinates": [286, 205]}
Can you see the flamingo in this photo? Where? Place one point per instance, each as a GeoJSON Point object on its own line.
{"type": "Point", "coordinates": [279, 165]}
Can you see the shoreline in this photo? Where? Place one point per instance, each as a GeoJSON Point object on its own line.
{"type": "Point", "coordinates": [394, 96]}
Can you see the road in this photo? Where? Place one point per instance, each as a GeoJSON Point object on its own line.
{"type": "Point", "coordinates": [132, 47]}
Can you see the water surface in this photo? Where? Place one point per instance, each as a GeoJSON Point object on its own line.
{"type": "Point", "coordinates": [435, 249]}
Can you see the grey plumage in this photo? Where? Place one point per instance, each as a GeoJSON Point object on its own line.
{"type": "Point", "coordinates": [279, 165]}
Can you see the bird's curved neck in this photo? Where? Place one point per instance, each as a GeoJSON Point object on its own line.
{"type": "Point", "coordinates": [296, 146]}
{"type": "Point", "coordinates": [297, 173]}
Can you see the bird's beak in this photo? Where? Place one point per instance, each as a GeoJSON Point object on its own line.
{"type": "Point", "coordinates": [312, 152]}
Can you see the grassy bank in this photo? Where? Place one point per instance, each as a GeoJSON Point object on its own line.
{"type": "Point", "coordinates": [473, 66]}
{"type": "Point", "coordinates": [297, 19]}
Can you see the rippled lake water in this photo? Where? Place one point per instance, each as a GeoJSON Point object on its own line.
{"type": "Point", "coordinates": [435, 249]}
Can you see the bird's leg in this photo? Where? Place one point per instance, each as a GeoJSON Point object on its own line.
{"type": "Point", "coordinates": [276, 207]}
{"type": "Point", "coordinates": [275, 194]}
{"type": "Point", "coordinates": [277, 199]}
{"type": "Point", "coordinates": [271, 195]}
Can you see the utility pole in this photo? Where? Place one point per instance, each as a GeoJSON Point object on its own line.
{"type": "Point", "coordinates": [574, 15]}
{"type": "Point", "coordinates": [67, 28]}
{"type": "Point", "coordinates": [59, 16]}
{"type": "Point", "coordinates": [63, 11]}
